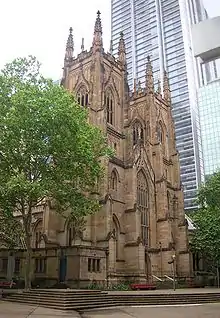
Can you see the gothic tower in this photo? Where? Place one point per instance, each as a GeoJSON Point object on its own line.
{"type": "Point", "coordinates": [141, 224]}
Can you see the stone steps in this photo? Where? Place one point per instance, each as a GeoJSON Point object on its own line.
{"type": "Point", "coordinates": [79, 300]}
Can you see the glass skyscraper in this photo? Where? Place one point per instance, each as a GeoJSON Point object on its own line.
{"type": "Point", "coordinates": [162, 30]}
{"type": "Point", "coordinates": [209, 106]}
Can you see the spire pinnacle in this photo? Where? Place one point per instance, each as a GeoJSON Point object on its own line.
{"type": "Point", "coordinates": [159, 87]}
{"type": "Point", "coordinates": [121, 49]}
{"type": "Point", "coordinates": [82, 45]}
{"type": "Point", "coordinates": [149, 76]}
{"type": "Point", "coordinates": [111, 47]}
{"type": "Point", "coordinates": [69, 46]}
{"type": "Point", "coordinates": [166, 87]}
{"type": "Point", "coordinates": [97, 38]}
{"type": "Point", "coordinates": [98, 23]}
{"type": "Point", "coordinates": [135, 86]}
{"type": "Point", "coordinates": [139, 87]}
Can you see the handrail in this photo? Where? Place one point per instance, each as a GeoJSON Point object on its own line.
{"type": "Point", "coordinates": [157, 278]}
{"type": "Point", "coordinates": [170, 278]}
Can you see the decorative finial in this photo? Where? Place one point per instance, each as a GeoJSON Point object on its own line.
{"type": "Point", "coordinates": [139, 87]}
{"type": "Point", "coordinates": [159, 87]}
{"type": "Point", "coordinates": [97, 38]}
{"type": "Point", "coordinates": [98, 23]}
{"type": "Point", "coordinates": [166, 87]}
{"type": "Point", "coordinates": [135, 86]}
{"type": "Point", "coordinates": [69, 45]}
{"type": "Point", "coordinates": [82, 45]}
{"type": "Point", "coordinates": [121, 49]}
{"type": "Point", "coordinates": [149, 76]}
{"type": "Point", "coordinates": [111, 47]}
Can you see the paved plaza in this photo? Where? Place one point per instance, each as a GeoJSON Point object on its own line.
{"type": "Point", "coordinates": [193, 311]}
{"type": "Point", "coordinates": [12, 310]}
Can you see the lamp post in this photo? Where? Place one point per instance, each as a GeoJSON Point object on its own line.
{"type": "Point", "coordinates": [173, 263]}
{"type": "Point", "coordinates": [174, 271]}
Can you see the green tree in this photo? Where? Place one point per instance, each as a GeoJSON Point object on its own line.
{"type": "Point", "coordinates": [206, 237]}
{"type": "Point", "coordinates": [48, 151]}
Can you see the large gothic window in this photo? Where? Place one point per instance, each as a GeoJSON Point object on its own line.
{"type": "Point", "coordinates": [138, 133]}
{"type": "Point", "coordinates": [109, 103]}
{"type": "Point", "coordinates": [83, 97]}
{"type": "Point", "coordinates": [143, 205]}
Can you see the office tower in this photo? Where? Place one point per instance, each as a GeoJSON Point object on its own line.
{"type": "Point", "coordinates": [209, 109]}
{"type": "Point", "coordinates": [162, 30]}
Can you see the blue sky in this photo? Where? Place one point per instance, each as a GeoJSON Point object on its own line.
{"type": "Point", "coordinates": [40, 28]}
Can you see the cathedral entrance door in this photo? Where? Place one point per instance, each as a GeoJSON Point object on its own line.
{"type": "Point", "coordinates": [62, 269]}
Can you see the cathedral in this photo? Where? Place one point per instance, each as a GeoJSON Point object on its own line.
{"type": "Point", "coordinates": [141, 226]}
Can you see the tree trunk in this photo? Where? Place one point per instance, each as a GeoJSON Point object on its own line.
{"type": "Point", "coordinates": [28, 267]}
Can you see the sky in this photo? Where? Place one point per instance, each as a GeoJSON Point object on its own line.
{"type": "Point", "coordinates": [40, 28]}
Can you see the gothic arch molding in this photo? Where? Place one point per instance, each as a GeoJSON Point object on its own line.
{"type": "Point", "coordinates": [117, 223]}
{"type": "Point", "coordinates": [114, 170]}
{"type": "Point", "coordinates": [36, 224]}
{"type": "Point", "coordinates": [138, 119]}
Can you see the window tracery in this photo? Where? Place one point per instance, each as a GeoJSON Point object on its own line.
{"type": "Point", "coordinates": [143, 205]}
{"type": "Point", "coordinates": [83, 97]}
{"type": "Point", "coordinates": [109, 103]}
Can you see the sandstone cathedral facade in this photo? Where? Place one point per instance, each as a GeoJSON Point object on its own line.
{"type": "Point", "coordinates": [141, 224]}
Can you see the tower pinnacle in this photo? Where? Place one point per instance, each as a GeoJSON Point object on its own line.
{"type": "Point", "coordinates": [69, 46]}
{"type": "Point", "coordinates": [121, 49]}
{"type": "Point", "coordinates": [166, 88]}
{"type": "Point", "coordinates": [149, 76]}
{"type": "Point", "coordinates": [97, 37]}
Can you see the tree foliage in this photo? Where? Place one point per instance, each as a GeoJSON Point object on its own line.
{"type": "Point", "coordinates": [48, 150]}
{"type": "Point", "coordinates": [206, 238]}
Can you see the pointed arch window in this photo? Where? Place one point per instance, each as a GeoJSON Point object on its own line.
{"type": "Point", "coordinates": [143, 205]}
{"type": "Point", "coordinates": [113, 181]}
{"type": "Point", "coordinates": [109, 103]}
{"type": "Point", "coordinates": [37, 234]}
{"type": "Point", "coordinates": [116, 231]}
{"type": "Point", "coordinates": [138, 133]}
{"type": "Point", "coordinates": [159, 133]}
{"type": "Point", "coordinates": [83, 97]}
{"type": "Point", "coordinates": [70, 234]}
